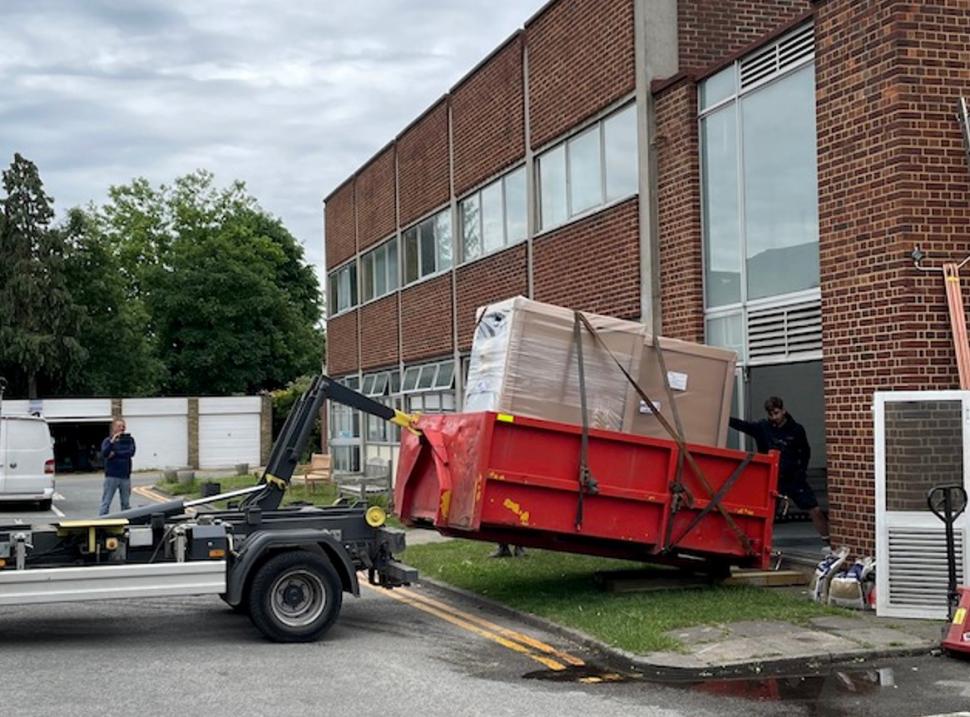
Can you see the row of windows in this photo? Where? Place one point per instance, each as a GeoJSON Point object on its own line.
{"type": "Point", "coordinates": [594, 168]}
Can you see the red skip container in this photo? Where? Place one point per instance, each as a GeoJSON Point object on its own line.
{"type": "Point", "coordinates": [512, 479]}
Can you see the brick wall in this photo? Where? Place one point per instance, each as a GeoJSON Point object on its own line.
{"type": "Point", "coordinates": [339, 223]}
{"type": "Point", "coordinates": [679, 214]}
{"type": "Point", "coordinates": [581, 58]}
{"type": "Point", "coordinates": [483, 282]}
{"type": "Point", "coordinates": [709, 31]}
{"type": "Point", "coordinates": [892, 174]}
{"type": "Point", "coordinates": [593, 264]}
{"type": "Point", "coordinates": [376, 210]}
{"type": "Point", "coordinates": [342, 344]}
{"type": "Point", "coordinates": [426, 329]}
{"type": "Point", "coordinates": [423, 164]}
{"type": "Point", "coordinates": [378, 333]}
{"type": "Point", "coordinates": [488, 118]}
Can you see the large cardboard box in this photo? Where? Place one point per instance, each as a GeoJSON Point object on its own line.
{"type": "Point", "coordinates": [523, 362]}
{"type": "Point", "coordinates": [702, 383]}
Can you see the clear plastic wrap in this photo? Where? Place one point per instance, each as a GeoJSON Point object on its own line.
{"type": "Point", "coordinates": [523, 362]}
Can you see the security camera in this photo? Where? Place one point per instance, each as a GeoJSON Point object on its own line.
{"type": "Point", "coordinates": [917, 255]}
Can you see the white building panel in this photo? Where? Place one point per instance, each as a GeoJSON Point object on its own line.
{"type": "Point", "coordinates": [160, 441]}
{"type": "Point", "coordinates": [226, 439]}
{"type": "Point", "coordinates": [154, 407]}
{"type": "Point", "coordinates": [75, 409]}
{"type": "Point", "coordinates": [232, 404]}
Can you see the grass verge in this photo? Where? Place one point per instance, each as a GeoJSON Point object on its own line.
{"type": "Point", "coordinates": [561, 588]}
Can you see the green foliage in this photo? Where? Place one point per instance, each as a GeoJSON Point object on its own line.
{"type": "Point", "coordinates": [39, 333]}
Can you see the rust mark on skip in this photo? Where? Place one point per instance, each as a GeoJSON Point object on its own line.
{"type": "Point", "coordinates": [517, 509]}
{"type": "Point", "coordinates": [478, 488]}
{"type": "Point", "coordinates": [495, 476]}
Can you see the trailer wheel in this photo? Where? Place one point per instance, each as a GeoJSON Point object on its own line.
{"type": "Point", "coordinates": [295, 597]}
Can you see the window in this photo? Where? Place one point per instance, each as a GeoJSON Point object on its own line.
{"type": "Point", "coordinates": [427, 247]}
{"type": "Point", "coordinates": [759, 179]}
{"type": "Point", "coordinates": [378, 271]}
{"type": "Point", "coordinates": [382, 387]}
{"type": "Point", "coordinates": [597, 166]}
{"type": "Point", "coordinates": [494, 217]}
{"type": "Point", "coordinates": [345, 433]}
{"type": "Point", "coordinates": [342, 285]}
{"type": "Point", "coordinates": [430, 387]}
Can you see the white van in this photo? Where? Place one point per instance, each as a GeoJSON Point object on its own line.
{"type": "Point", "coordinates": [26, 460]}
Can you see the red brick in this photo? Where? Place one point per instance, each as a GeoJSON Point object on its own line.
{"type": "Point", "coordinates": [426, 328]}
{"type": "Point", "coordinates": [379, 333]}
{"type": "Point", "coordinates": [484, 282]}
{"type": "Point", "coordinates": [376, 210]}
{"type": "Point", "coordinates": [340, 225]}
{"type": "Point", "coordinates": [342, 354]}
{"type": "Point", "coordinates": [423, 164]}
{"type": "Point", "coordinates": [592, 264]}
{"type": "Point", "coordinates": [581, 59]}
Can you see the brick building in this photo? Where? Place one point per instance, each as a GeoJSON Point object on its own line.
{"type": "Point", "coordinates": [748, 174]}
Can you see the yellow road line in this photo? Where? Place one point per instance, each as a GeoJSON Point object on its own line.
{"type": "Point", "coordinates": [488, 625]}
{"type": "Point", "coordinates": [145, 492]}
{"type": "Point", "coordinates": [471, 627]}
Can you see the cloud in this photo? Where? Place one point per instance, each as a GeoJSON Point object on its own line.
{"type": "Point", "coordinates": [289, 97]}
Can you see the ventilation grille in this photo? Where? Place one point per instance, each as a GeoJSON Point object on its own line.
{"type": "Point", "coordinates": [788, 51]}
{"type": "Point", "coordinates": [917, 571]}
{"type": "Point", "coordinates": [785, 332]}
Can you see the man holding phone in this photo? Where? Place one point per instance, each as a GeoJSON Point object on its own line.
{"type": "Point", "coordinates": [117, 450]}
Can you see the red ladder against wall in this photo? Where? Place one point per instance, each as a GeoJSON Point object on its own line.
{"type": "Point", "coordinates": [951, 276]}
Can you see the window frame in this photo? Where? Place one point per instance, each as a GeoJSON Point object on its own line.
{"type": "Point", "coordinates": [431, 220]}
{"type": "Point", "coordinates": [476, 195]}
{"type": "Point", "coordinates": [564, 143]}
{"type": "Point", "coordinates": [333, 288]}
{"type": "Point", "coordinates": [391, 273]}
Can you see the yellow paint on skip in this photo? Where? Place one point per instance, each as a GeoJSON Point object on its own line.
{"type": "Point", "coordinates": [445, 506]}
{"type": "Point", "coordinates": [959, 616]}
{"type": "Point", "coordinates": [505, 418]}
{"type": "Point", "coordinates": [517, 509]}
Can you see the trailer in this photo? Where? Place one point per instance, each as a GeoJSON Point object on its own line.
{"type": "Point", "coordinates": [524, 481]}
{"type": "Point", "coordinates": [286, 567]}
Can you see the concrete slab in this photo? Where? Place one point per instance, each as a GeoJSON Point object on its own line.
{"type": "Point", "coordinates": [837, 622]}
{"type": "Point", "coordinates": [417, 536]}
{"type": "Point", "coordinates": [882, 638]}
{"type": "Point", "coordinates": [699, 635]}
{"type": "Point", "coordinates": [797, 644]}
{"type": "Point", "coordinates": [759, 628]}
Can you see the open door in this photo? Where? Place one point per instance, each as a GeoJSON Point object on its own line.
{"type": "Point", "coordinates": [921, 441]}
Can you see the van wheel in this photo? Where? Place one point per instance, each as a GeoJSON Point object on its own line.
{"type": "Point", "coordinates": [295, 597]}
{"type": "Point", "coordinates": [45, 504]}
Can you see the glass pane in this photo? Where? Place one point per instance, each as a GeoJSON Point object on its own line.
{"type": "Point", "coordinates": [367, 276]}
{"type": "Point", "coordinates": [392, 265]}
{"type": "Point", "coordinates": [411, 255]}
{"type": "Point", "coordinates": [411, 378]}
{"type": "Point", "coordinates": [515, 207]}
{"type": "Point", "coordinates": [432, 402]}
{"type": "Point", "coordinates": [718, 87]}
{"type": "Point", "coordinates": [722, 243]}
{"type": "Point", "coordinates": [333, 306]}
{"type": "Point", "coordinates": [924, 449]}
{"type": "Point", "coordinates": [343, 299]}
{"type": "Point", "coordinates": [352, 270]}
{"type": "Point", "coordinates": [352, 382]}
{"type": "Point", "coordinates": [448, 401]}
{"type": "Point", "coordinates": [585, 172]}
{"type": "Point", "coordinates": [471, 228]}
{"type": "Point", "coordinates": [380, 272]}
{"type": "Point", "coordinates": [493, 224]}
{"type": "Point", "coordinates": [427, 376]}
{"type": "Point", "coordinates": [395, 382]}
{"type": "Point", "coordinates": [442, 230]}
{"type": "Point", "coordinates": [368, 386]}
{"type": "Point", "coordinates": [428, 251]}
{"type": "Point", "coordinates": [620, 136]}
{"type": "Point", "coordinates": [446, 375]}
{"type": "Point", "coordinates": [380, 384]}
{"type": "Point", "coordinates": [780, 186]}
{"type": "Point", "coordinates": [552, 184]}
{"type": "Point", "coordinates": [727, 331]}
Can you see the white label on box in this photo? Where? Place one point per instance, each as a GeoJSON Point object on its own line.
{"type": "Point", "coordinates": [677, 380]}
{"type": "Point", "coordinates": [644, 408]}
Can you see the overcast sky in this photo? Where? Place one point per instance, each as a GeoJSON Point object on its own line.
{"type": "Point", "coordinates": [289, 96]}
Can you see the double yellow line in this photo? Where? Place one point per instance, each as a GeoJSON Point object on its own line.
{"type": "Point", "coordinates": [519, 642]}
{"type": "Point", "coordinates": [146, 492]}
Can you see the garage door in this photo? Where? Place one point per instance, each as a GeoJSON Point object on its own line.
{"type": "Point", "coordinates": [229, 431]}
{"type": "Point", "coordinates": [160, 429]}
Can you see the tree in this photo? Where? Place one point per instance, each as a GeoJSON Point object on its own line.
{"type": "Point", "coordinates": [121, 359]}
{"type": "Point", "coordinates": [39, 331]}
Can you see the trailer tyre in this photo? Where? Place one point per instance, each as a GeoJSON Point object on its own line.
{"type": "Point", "coordinates": [295, 597]}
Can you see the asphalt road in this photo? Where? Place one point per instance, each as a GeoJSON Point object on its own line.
{"type": "Point", "coordinates": [418, 652]}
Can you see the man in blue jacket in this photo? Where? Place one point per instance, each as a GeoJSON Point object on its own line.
{"type": "Point", "coordinates": [781, 433]}
{"type": "Point", "coordinates": [117, 450]}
